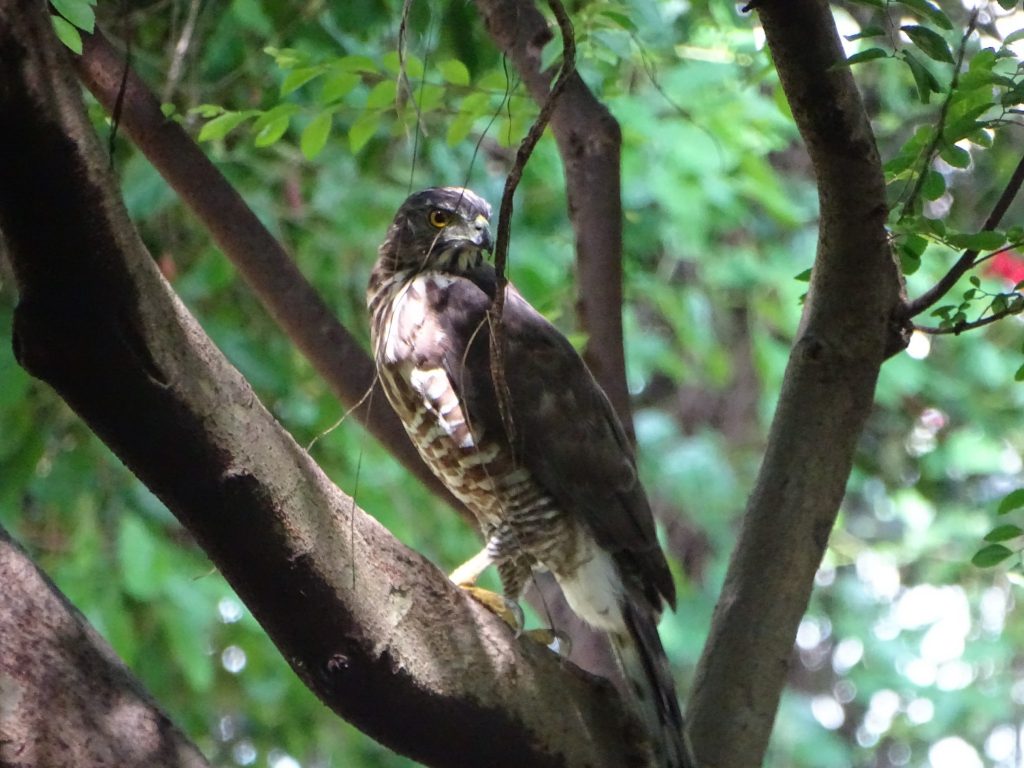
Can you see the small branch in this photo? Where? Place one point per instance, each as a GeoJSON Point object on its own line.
{"type": "Point", "coordinates": [969, 258]}
{"type": "Point", "coordinates": [957, 328]}
{"type": "Point", "coordinates": [589, 142]}
{"type": "Point", "coordinates": [526, 147]}
{"type": "Point", "coordinates": [175, 70]}
{"type": "Point", "coordinates": [941, 122]}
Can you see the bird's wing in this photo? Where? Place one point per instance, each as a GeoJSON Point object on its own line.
{"type": "Point", "coordinates": [565, 431]}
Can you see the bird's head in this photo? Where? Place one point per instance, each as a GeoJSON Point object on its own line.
{"type": "Point", "coordinates": [443, 228]}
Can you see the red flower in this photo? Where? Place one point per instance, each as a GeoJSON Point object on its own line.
{"type": "Point", "coordinates": [1008, 265]}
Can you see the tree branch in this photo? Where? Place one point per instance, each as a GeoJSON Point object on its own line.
{"type": "Point", "coordinates": [262, 262]}
{"type": "Point", "coordinates": [826, 397]}
{"type": "Point", "coordinates": [957, 328]}
{"type": "Point", "coordinates": [65, 697]}
{"type": "Point", "coordinates": [589, 142]}
{"type": "Point", "coordinates": [376, 631]}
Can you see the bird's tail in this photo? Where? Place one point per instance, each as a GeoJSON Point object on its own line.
{"type": "Point", "coordinates": [651, 687]}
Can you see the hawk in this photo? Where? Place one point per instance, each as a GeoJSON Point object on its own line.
{"type": "Point", "coordinates": [553, 483]}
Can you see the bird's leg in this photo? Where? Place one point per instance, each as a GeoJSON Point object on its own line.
{"type": "Point", "coordinates": [465, 576]}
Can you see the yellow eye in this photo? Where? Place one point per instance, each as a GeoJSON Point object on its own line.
{"type": "Point", "coordinates": [439, 218]}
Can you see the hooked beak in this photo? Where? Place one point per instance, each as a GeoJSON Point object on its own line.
{"type": "Point", "coordinates": [482, 234]}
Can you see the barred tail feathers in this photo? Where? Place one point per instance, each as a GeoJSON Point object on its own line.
{"type": "Point", "coordinates": [651, 687]}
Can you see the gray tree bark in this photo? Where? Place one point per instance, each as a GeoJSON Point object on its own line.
{"type": "Point", "coordinates": [65, 697]}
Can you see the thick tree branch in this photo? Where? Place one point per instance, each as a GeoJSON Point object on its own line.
{"type": "Point", "coordinates": [376, 631]}
{"type": "Point", "coordinates": [260, 259]}
{"type": "Point", "coordinates": [65, 697]}
{"type": "Point", "coordinates": [826, 397]}
{"type": "Point", "coordinates": [589, 142]}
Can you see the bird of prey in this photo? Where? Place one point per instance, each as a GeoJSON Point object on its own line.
{"type": "Point", "coordinates": [550, 477]}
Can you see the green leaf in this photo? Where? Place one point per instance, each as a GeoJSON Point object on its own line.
{"type": "Point", "coordinates": [67, 34]}
{"type": "Point", "coordinates": [910, 262]}
{"type": "Point", "coordinates": [314, 137]}
{"type": "Point", "coordinates": [1004, 532]}
{"type": "Point", "coordinates": [472, 107]}
{"type": "Point", "coordinates": [285, 58]}
{"type": "Point", "coordinates": [272, 130]}
{"type": "Point", "coordinates": [459, 128]}
{"type": "Point", "coordinates": [993, 554]}
{"type": "Point", "coordinates": [929, 11]}
{"type": "Point", "coordinates": [925, 81]}
{"type": "Point", "coordinates": [930, 42]}
{"type": "Point", "coordinates": [299, 77]}
{"type": "Point", "coordinates": [221, 126]}
{"type": "Point", "coordinates": [1013, 37]}
{"type": "Point", "coordinates": [871, 30]}
{"type": "Point", "coordinates": [1019, 375]}
{"type": "Point", "coordinates": [382, 94]}
{"type": "Point", "coordinates": [804, 277]}
{"type": "Point", "coordinates": [934, 185]}
{"type": "Point", "coordinates": [413, 64]}
{"type": "Point", "coordinates": [978, 241]}
{"type": "Point", "coordinates": [915, 244]}
{"type": "Point", "coordinates": [78, 12]}
{"type": "Point", "coordinates": [362, 131]}
{"type": "Point", "coordinates": [337, 86]}
{"type": "Point", "coordinates": [620, 19]}
{"type": "Point", "coordinates": [956, 156]}
{"type": "Point", "coordinates": [1013, 500]}
{"type": "Point", "coordinates": [862, 56]}
{"type": "Point", "coordinates": [454, 71]}
{"type": "Point", "coordinates": [357, 64]}
{"type": "Point", "coordinates": [1008, 5]}
{"type": "Point", "coordinates": [206, 111]}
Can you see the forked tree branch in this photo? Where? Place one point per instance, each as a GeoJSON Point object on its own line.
{"type": "Point", "coordinates": [377, 632]}
{"type": "Point", "coordinates": [826, 396]}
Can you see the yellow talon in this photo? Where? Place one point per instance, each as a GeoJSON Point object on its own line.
{"type": "Point", "coordinates": [505, 609]}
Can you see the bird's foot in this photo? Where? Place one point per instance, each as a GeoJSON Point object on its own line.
{"type": "Point", "coordinates": [504, 608]}
{"type": "Point", "coordinates": [553, 639]}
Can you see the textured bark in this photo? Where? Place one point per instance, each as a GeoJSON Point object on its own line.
{"type": "Point", "coordinates": [65, 697]}
{"type": "Point", "coordinates": [826, 397]}
{"type": "Point", "coordinates": [377, 632]}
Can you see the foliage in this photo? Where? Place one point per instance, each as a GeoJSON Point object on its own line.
{"type": "Point", "coordinates": [305, 110]}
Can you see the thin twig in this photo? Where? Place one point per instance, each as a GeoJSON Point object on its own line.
{"type": "Point", "coordinates": [957, 328]}
{"type": "Point", "coordinates": [526, 148]}
{"type": "Point", "coordinates": [933, 146]}
{"type": "Point", "coordinates": [174, 71]}
{"type": "Point", "coordinates": [968, 259]}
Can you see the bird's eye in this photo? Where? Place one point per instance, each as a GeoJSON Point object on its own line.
{"type": "Point", "coordinates": [439, 218]}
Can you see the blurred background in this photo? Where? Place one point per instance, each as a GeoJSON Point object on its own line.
{"type": "Point", "coordinates": [909, 655]}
